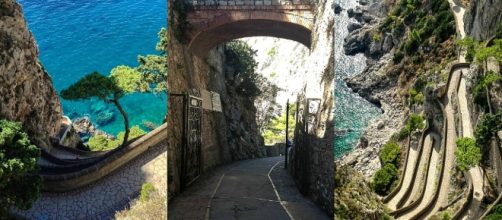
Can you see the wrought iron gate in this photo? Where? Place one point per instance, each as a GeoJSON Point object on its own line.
{"type": "Point", "coordinates": [192, 138]}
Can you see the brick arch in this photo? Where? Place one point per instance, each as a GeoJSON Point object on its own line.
{"type": "Point", "coordinates": [212, 27]}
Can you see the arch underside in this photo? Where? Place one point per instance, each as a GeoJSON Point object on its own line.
{"type": "Point", "coordinates": [209, 38]}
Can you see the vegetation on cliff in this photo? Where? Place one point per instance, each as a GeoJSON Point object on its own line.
{"type": "Point", "coordinates": [385, 177]}
{"type": "Point", "coordinates": [101, 142]}
{"type": "Point", "coordinates": [275, 130]}
{"type": "Point", "coordinates": [467, 154]}
{"type": "Point", "coordinates": [20, 183]}
{"type": "Point", "coordinates": [354, 198]}
{"type": "Point", "coordinates": [150, 205]}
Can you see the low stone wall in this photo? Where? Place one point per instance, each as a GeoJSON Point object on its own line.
{"type": "Point", "coordinates": [73, 180]}
{"type": "Point", "coordinates": [275, 150]}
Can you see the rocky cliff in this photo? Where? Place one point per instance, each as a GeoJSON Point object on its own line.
{"type": "Point", "coordinates": [312, 156]}
{"type": "Point", "coordinates": [26, 91]}
{"type": "Point", "coordinates": [228, 135]}
{"type": "Point", "coordinates": [482, 18]}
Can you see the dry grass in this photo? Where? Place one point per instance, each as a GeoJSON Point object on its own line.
{"type": "Point", "coordinates": [152, 208]}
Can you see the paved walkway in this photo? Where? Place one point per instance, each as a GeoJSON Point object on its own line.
{"type": "Point", "coordinates": [451, 137]}
{"type": "Point", "coordinates": [251, 189]}
{"type": "Point", "coordinates": [476, 172]}
{"type": "Point", "coordinates": [408, 175]}
{"type": "Point", "coordinates": [432, 177]}
{"type": "Point", "coordinates": [113, 193]}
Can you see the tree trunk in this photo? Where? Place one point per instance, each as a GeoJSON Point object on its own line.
{"type": "Point", "coordinates": [126, 120]}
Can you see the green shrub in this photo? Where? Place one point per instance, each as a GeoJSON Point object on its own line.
{"type": "Point", "coordinates": [446, 216]}
{"type": "Point", "coordinates": [398, 56]}
{"type": "Point", "coordinates": [484, 82]}
{"type": "Point", "coordinates": [487, 127]}
{"type": "Point", "coordinates": [240, 56]}
{"type": "Point", "coordinates": [390, 154]}
{"type": "Point", "coordinates": [467, 153]}
{"type": "Point", "coordinates": [495, 213]}
{"type": "Point", "coordinates": [102, 143]}
{"type": "Point", "coordinates": [413, 123]}
{"type": "Point", "coordinates": [383, 179]}
{"type": "Point", "coordinates": [147, 189]}
{"type": "Point", "coordinates": [20, 183]}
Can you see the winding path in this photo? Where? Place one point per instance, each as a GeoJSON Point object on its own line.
{"type": "Point", "coordinates": [432, 178]}
{"type": "Point", "coordinates": [251, 189]}
{"type": "Point", "coordinates": [476, 172]}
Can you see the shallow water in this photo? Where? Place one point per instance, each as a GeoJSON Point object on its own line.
{"type": "Point", "coordinates": [76, 37]}
{"type": "Point", "coordinates": [352, 113]}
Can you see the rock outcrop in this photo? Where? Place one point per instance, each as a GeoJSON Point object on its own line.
{"type": "Point", "coordinates": [482, 18]}
{"type": "Point", "coordinates": [26, 91]}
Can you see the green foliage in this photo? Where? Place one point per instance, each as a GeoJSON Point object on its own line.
{"type": "Point", "coordinates": [495, 213]}
{"type": "Point", "coordinates": [446, 216]}
{"type": "Point", "coordinates": [128, 79]}
{"type": "Point", "coordinates": [487, 127]}
{"type": "Point", "coordinates": [430, 21]}
{"type": "Point", "coordinates": [147, 189]}
{"type": "Point", "coordinates": [479, 89]}
{"type": "Point", "coordinates": [163, 41]}
{"type": "Point", "coordinates": [376, 37]}
{"type": "Point", "coordinates": [383, 179]}
{"type": "Point", "coordinates": [154, 67]}
{"type": "Point", "coordinates": [398, 56]}
{"type": "Point", "coordinates": [495, 51]}
{"type": "Point", "coordinates": [467, 153]}
{"type": "Point", "coordinates": [275, 131]}
{"type": "Point", "coordinates": [93, 85]}
{"type": "Point", "coordinates": [416, 97]}
{"type": "Point", "coordinates": [469, 45]}
{"type": "Point", "coordinates": [390, 154]}
{"type": "Point", "coordinates": [240, 56]}
{"type": "Point", "coordinates": [102, 143]}
{"type": "Point", "coordinates": [414, 122]}
{"type": "Point", "coordinates": [19, 181]}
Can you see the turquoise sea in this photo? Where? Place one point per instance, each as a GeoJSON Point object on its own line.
{"type": "Point", "coordinates": [352, 113]}
{"type": "Point", "coordinates": [76, 37]}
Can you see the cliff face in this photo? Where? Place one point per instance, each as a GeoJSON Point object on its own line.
{"type": "Point", "coordinates": [226, 136]}
{"type": "Point", "coordinates": [26, 92]}
{"type": "Point", "coordinates": [482, 18]}
{"type": "Point", "coordinates": [312, 156]}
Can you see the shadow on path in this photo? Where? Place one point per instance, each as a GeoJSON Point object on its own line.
{"type": "Point", "coordinates": [245, 190]}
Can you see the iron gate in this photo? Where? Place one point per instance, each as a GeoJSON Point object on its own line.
{"type": "Point", "coordinates": [192, 138]}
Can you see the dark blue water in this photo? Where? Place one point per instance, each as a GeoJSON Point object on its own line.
{"type": "Point", "coordinates": [76, 37]}
{"type": "Point", "coordinates": [352, 113]}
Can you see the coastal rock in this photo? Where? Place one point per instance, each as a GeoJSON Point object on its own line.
{"type": "Point", "coordinates": [337, 8]}
{"type": "Point", "coordinates": [353, 26]}
{"type": "Point", "coordinates": [105, 117]}
{"type": "Point", "coordinates": [375, 84]}
{"type": "Point", "coordinates": [357, 42]}
{"type": "Point", "coordinates": [482, 19]}
{"type": "Point", "coordinates": [86, 129]}
{"type": "Point", "coordinates": [26, 91]}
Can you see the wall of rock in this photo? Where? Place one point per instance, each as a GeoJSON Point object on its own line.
{"type": "Point", "coordinates": [226, 136]}
{"type": "Point", "coordinates": [26, 91]}
{"type": "Point", "coordinates": [312, 156]}
{"type": "Point", "coordinates": [482, 18]}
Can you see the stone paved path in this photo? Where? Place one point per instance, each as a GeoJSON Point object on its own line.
{"type": "Point", "coordinates": [113, 193]}
{"type": "Point", "coordinates": [250, 189]}
{"type": "Point", "coordinates": [432, 177]}
{"type": "Point", "coordinates": [408, 175]}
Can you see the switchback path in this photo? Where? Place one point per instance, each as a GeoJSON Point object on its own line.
{"type": "Point", "coordinates": [250, 189]}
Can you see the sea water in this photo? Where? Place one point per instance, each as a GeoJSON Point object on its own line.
{"type": "Point", "coordinates": [352, 113]}
{"type": "Point", "coordinates": [76, 37]}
